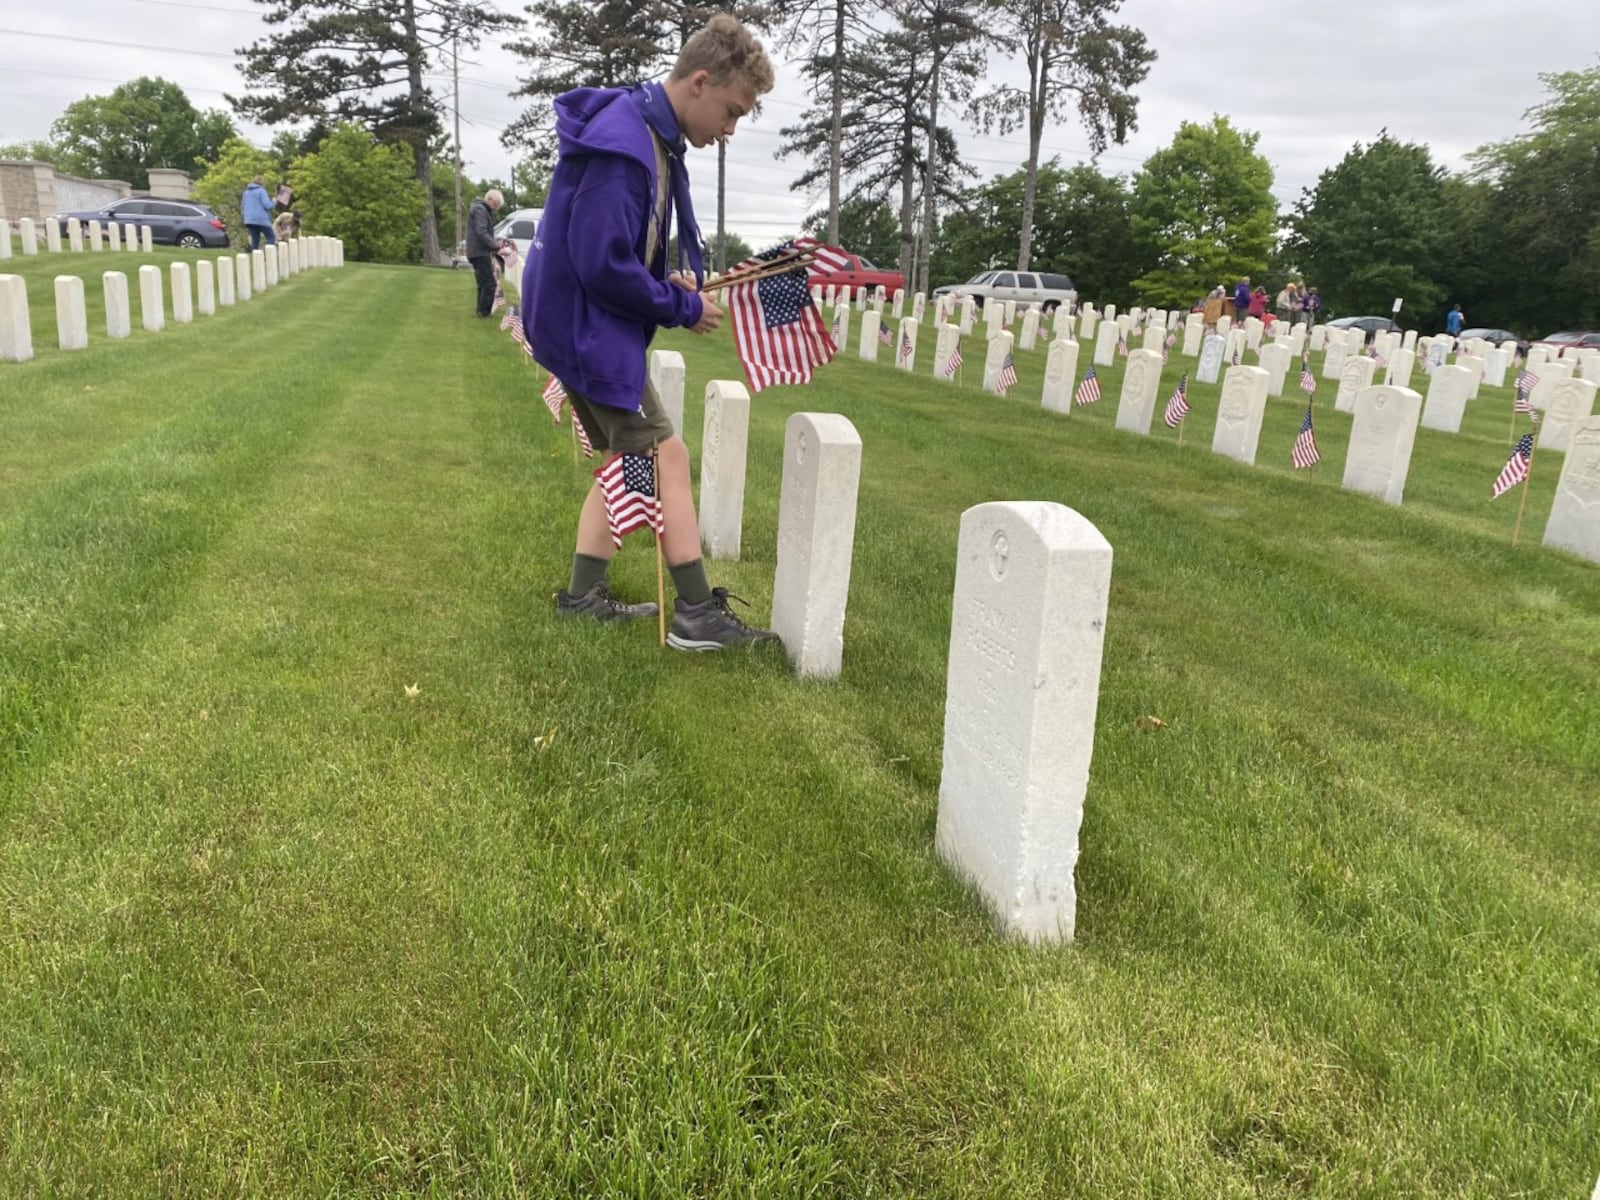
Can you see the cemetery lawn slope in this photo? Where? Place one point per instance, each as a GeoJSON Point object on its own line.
{"type": "Point", "coordinates": [332, 864]}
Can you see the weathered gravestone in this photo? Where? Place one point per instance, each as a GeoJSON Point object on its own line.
{"type": "Point", "coordinates": [1087, 320]}
{"type": "Point", "coordinates": [146, 241]}
{"type": "Point", "coordinates": [113, 236]}
{"type": "Point", "coordinates": [1571, 401]}
{"type": "Point", "coordinates": [1354, 377]}
{"type": "Point", "coordinates": [1473, 364]}
{"type": "Point", "coordinates": [969, 313]}
{"type": "Point", "coordinates": [1155, 337]}
{"type": "Point", "coordinates": [225, 296]}
{"type": "Point", "coordinates": [1317, 339]}
{"type": "Point", "coordinates": [119, 321]}
{"type": "Point", "coordinates": [723, 446]}
{"type": "Point", "coordinates": [130, 237]}
{"type": "Point", "coordinates": [1333, 356]}
{"type": "Point", "coordinates": [905, 346]}
{"type": "Point", "coordinates": [182, 297]}
{"type": "Point", "coordinates": [152, 308]}
{"type": "Point", "coordinates": [1010, 313]}
{"type": "Point", "coordinates": [816, 540]}
{"type": "Point", "coordinates": [96, 237]}
{"type": "Point", "coordinates": [1275, 360]}
{"type": "Point", "coordinates": [668, 377]}
{"type": "Point", "coordinates": [1398, 373]}
{"type": "Point", "coordinates": [74, 237]}
{"type": "Point", "coordinates": [5, 240]}
{"type": "Point", "coordinates": [52, 236]}
{"type": "Point", "coordinates": [1551, 372]}
{"type": "Point", "coordinates": [72, 316]}
{"type": "Point", "coordinates": [1137, 405]}
{"type": "Point", "coordinates": [1105, 344]}
{"type": "Point", "coordinates": [841, 326]}
{"type": "Point", "coordinates": [994, 321]}
{"type": "Point", "coordinates": [948, 342]}
{"type": "Point", "coordinates": [872, 327]}
{"type": "Point", "coordinates": [258, 273]}
{"type": "Point", "coordinates": [273, 259]}
{"type": "Point", "coordinates": [918, 307]}
{"type": "Point", "coordinates": [1494, 367]}
{"type": "Point", "coordinates": [29, 237]}
{"type": "Point", "coordinates": [205, 288]}
{"type": "Point", "coordinates": [1575, 516]}
{"type": "Point", "coordinates": [1381, 437]}
{"type": "Point", "coordinates": [1447, 399]}
{"type": "Point", "coordinates": [897, 306]}
{"type": "Point", "coordinates": [1438, 352]}
{"type": "Point", "coordinates": [1211, 355]}
{"type": "Point", "coordinates": [1030, 329]}
{"type": "Point", "coordinates": [999, 349]}
{"type": "Point", "coordinates": [1239, 413]}
{"type": "Point", "coordinates": [16, 331]}
{"type": "Point", "coordinates": [1060, 369]}
{"type": "Point", "coordinates": [1194, 332]}
{"type": "Point", "coordinates": [1409, 341]}
{"type": "Point", "coordinates": [1027, 630]}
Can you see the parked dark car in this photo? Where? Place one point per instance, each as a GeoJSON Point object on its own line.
{"type": "Point", "coordinates": [172, 222]}
{"type": "Point", "coordinates": [1369, 325]}
{"type": "Point", "coordinates": [1495, 336]}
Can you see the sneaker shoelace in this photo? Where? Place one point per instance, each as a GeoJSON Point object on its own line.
{"type": "Point", "coordinates": [720, 597]}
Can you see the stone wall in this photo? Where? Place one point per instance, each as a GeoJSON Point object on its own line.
{"type": "Point", "coordinates": [35, 189]}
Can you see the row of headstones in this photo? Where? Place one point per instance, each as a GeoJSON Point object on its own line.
{"type": "Point", "coordinates": [1033, 582]}
{"type": "Point", "coordinates": [233, 277]}
{"type": "Point", "coordinates": [117, 237]}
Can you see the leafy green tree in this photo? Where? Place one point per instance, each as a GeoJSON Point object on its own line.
{"type": "Point", "coordinates": [1544, 211]}
{"type": "Point", "coordinates": [37, 150]}
{"type": "Point", "coordinates": [1202, 212]}
{"type": "Point", "coordinates": [866, 227]}
{"type": "Point", "coordinates": [222, 181]}
{"type": "Point", "coordinates": [1081, 229]}
{"type": "Point", "coordinates": [142, 124]}
{"type": "Point", "coordinates": [363, 61]}
{"type": "Point", "coordinates": [1074, 57]}
{"type": "Point", "coordinates": [735, 248]}
{"type": "Point", "coordinates": [1375, 227]}
{"type": "Point", "coordinates": [364, 191]}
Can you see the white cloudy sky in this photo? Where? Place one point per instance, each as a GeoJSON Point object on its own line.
{"type": "Point", "coordinates": [1312, 78]}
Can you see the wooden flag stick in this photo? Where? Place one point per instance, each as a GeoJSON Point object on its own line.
{"type": "Point", "coordinates": [1182, 425]}
{"type": "Point", "coordinates": [1527, 483]}
{"type": "Point", "coordinates": [781, 265]}
{"type": "Point", "coordinates": [661, 583]}
{"type": "Point", "coordinates": [574, 424]}
{"type": "Point", "coordinates": [1513, 433]}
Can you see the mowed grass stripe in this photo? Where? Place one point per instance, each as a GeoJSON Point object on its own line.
{"type": "Point", "coordinates": [586, 918]}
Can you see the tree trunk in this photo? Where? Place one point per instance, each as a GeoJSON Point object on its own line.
{"type": "Point", "coordinates": [1038, 80]}
{"type": "Point", "coordinates": [720, 258]}
{"type": "Point", "coordinates": [932, 174]}
{"type": "Point", "coordinates": [908, 215]}
{"type": "Point", "coordinates": [419, 148]}
{"type": "Point", "coordinates": [836, 130]}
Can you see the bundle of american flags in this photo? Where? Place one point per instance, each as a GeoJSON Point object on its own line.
{"type": "Point", "coordinates": [1516, 468]}
{"type": "Point", "coordinates": [628, 485]}
{"type": "Point", "coordinates": [1007, 379]}
{"type": "Point", "coordinates": [1178, 406]}
{"type": "Point", "coordinates": [1088, 389]}
{"type": "Point", "coordinates": [777, 332]}
{"type": "Point", "coordinates": [1305, 452]}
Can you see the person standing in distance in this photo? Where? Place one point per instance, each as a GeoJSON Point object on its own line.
{"type": "Point", "coordinates": [481, 245]}
{"type": "Point", "coordinates": [596, 287]}
{"type": "Point", "coordinates": [255, 206]}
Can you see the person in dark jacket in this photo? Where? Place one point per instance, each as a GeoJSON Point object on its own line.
{"type": "Point", "coordinates": [481, 245]}
{"type": "Point", "coordinates": [596, 287]}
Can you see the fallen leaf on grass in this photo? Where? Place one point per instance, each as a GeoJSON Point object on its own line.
{"type": "Point", "coordinates": [413, 691]}
{"type": "Point", "coordinates": [1148, 724]}
{"type": "Point", "coordinates": [545, 742]}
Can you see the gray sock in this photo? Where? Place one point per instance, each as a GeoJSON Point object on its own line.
{"type": "Point", "coordinates": [587, 571]}
{"type": "Point", "coordinates": [690, 582]}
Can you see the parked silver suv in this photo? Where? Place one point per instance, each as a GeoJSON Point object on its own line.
{"type": "Point", "coordinates": [1025, 287]}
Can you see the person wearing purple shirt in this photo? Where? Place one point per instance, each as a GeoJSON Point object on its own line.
{"type": "Point", "coordinates": [1241, 300]}
{"type": "Point", "coordinates": [596, 287]}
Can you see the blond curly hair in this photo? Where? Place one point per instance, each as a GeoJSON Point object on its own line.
{"type": "Point", "coordinates": [726, 49]}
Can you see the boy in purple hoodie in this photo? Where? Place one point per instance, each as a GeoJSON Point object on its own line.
{"type": "Point", "coordinates": [596, 288]}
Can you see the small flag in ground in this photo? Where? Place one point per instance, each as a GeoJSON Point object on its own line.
{"type": "Point", "coordinates": [1305, 452]}
{"type": "Point", "coordinates": [1308, 381]}
{"type": "Point", "coordinates": [1166, 347]}
{"type": "Point", "coordinates": [628, 484]}
{"type": "Point", "coordinates": [1088, 389]}
{"type": "Point", "coordinates": [583, 435]}
{"type": "Point", "coordinates": [1516, 468]}
{"type": "Point", "coordinates": [1525, 405]}
{"type": "Point", "coordinates": [553, 395]}
{"type": "Point", "coordinates": [905, 346]}
{"type": "Point", "coordinates": [1007, 379]}
{"type": "Point", "coordinates": [885, 336]}
{"type": "Point", "coordinates": [777, 332]}
{"type": "Point", "coordinates": [499, 301]}
{"type": "Point", "coordinates": [1378, 360]}
{"type": "Point", "coordinates": [507, 321]}
{"type": "Point", "coordinates": [1527, 381]}
{"type": "Point", "coordinates": [954, 364]}
{"type": "Point", "coordinates": [1238, 347]}
{"type": "Point", "coordinates": [1122, 346]}
{"type": "Point", "coordinates": [1178, 406]}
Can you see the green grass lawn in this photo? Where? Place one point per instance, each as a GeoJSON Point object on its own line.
{"type": "Point", "coordinates": [586, 917]}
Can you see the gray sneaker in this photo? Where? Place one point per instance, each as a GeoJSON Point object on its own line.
{"type": "Point", "coordinates": [712, 625]}
{"type": "Point", "coordinates": [597, 603]}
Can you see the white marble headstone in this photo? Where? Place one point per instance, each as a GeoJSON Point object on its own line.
{"type": "Point", "coordinates": [1381, 438]}
{"type": "Point", "coordinates": [72, 317]}
{"type": "Point", "coordinates": [1574, 523]}
{"type": "Point", "coordinates": [905, 357]}
{"type": "Point", "coordinates": [1060, 369]}
{"type": "Point", "coordinates": [182, 296]}
{"type": "Point", "coordinates": [944, 346]}
{"type": "Point", "coordinates": [1211, 356]}
{"type": "Point", "coordinates": [723, 447]}
{"type": "Point", "coordinates": [119, 322]}
{"type": "Point", "coordinates": [225, 265]}
{"type": "Point", "coordinates": [669, 378]}
{"type": "Point", "coordinates": [1571, 401]}
{"type": "Point", "coordinates": [1239, 412]}
{"type": "Point", "coordinates": [1275, 360]}
{"type": "Point", "coordinates": [16, 330]}
{"type": "Point", "coordinates": [1137, 404]}
{"type": "Point", "coordinates": [998, 350]}
{"type": "Point", "coordinates": [1105, 344]}
{"type": "Point", "coordinates": [1030, 329]}
{"type": "Point", "coordinates": [1398, 372]}
{"type": "Point", "coordinates": [205, 288]}
{"type": "Point", "coordinates": [152, 307]}
{"type": "Point", "coordinates": [1355, 376]}
{"type": "Point", "coordinates": [1447, 399]}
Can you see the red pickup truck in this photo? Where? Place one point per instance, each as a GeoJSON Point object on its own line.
{"type": "Point", "coordinates": [857, 273]}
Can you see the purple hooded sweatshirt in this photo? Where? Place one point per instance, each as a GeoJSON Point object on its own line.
{"type": "Point", "coordinates": [590, 304]}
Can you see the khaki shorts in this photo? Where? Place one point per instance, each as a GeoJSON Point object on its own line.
{"type": "Point", "coordinates": [618, 430]}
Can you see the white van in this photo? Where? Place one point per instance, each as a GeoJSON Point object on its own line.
{"type": "Point", "coordinates": [518, 227]}
{"type": "Point", "coordinates": [1025, 287]}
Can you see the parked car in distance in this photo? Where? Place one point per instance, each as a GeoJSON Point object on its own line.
{"type": "Point", "coordinates": [172, 222]}
{"type": "Point", "coordinates": [519, 227]}
{"type": "Point", "coordinates": [1043, 288]}
{"type": "Point", "coordinates": [1369, 325]}
{"type": "Point", "coordinates": [857, 273]}
{"type": "Point", "coordinates": [1572, 339]}
{"type": "Point", "coordinates": [1495, 336]}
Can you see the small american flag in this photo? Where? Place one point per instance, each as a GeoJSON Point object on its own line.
{"type": "Point", "coordinates": [1308, 381]}
{"type": "Point", "coordinates": [905, 346]}
{"type": "Point", "coordinates": [1378, 360]}
{"type": "Point", "coordinates": [1527, 381]}
{"type": "Point", "coordinates": [1305, 452]}
{"type": "Point", "coordinates": [885, 336]}
{"type": "Point", "coordinates": [553, 395]}
{"type": "Point", "coordinates": [1088, 389]}
{"type": "Point", "coordinates": [507, 320]}
{"type": "Point", "coordinates": [1516, 468]}
{"type": "Point", "coordinates": [583, 436]}
{"type": "Point", "coordinates": [954, 364]}
{"type": "Point", "coordinates": [1166, 348]}
{"type": "Point", "coordinates": [628, 484]}
{"type": "Point", "coordinates": [1178, 406]}
{"type": "Point", "coordinates": [777, 332]}
{"type": "Point", "coordinates": [1238, 352]}
{"type": "Point", "coordinates": [1007, 379]}
{"type": "Point", "coordinates": [499, 301]}
{"type": "Point", "coordinates": [1122, 346]}
{"type": "Point", "coordinates": [1524, 403]}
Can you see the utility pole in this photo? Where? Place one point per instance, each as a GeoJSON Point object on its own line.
{"type": "Point", "coordinates": [455, 70]}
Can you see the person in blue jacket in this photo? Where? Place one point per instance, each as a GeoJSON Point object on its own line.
{"type": "Point", "coordinates": [255, 206]}
{"type": "Point", "coordinates": [1241, 301]}
{"type": "Point", "coordinates": [1453, 321]}
{"type": "Point", "coordinates": [596, 288]}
